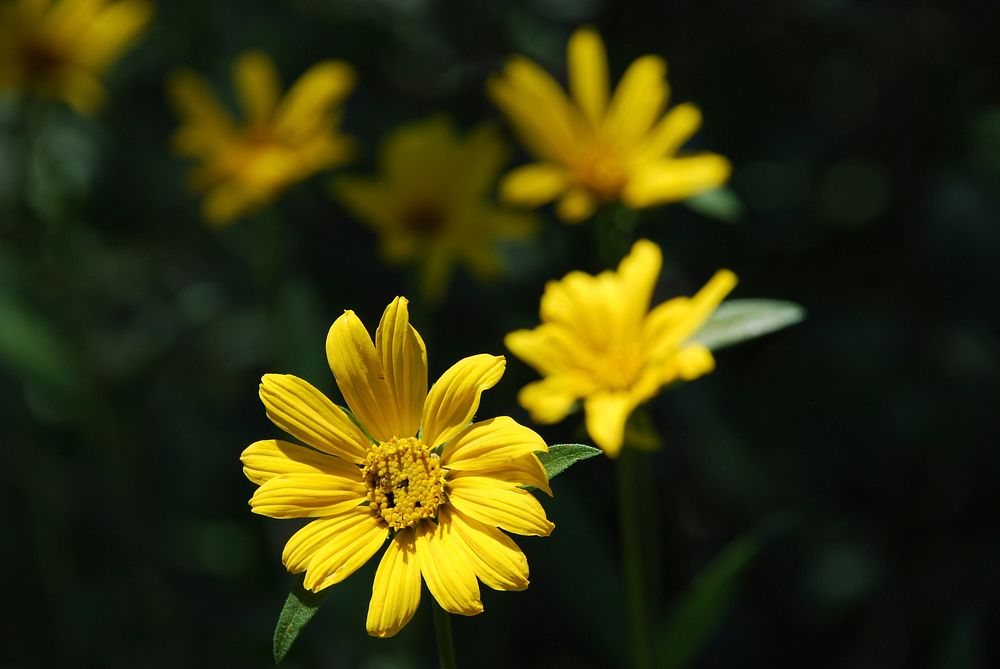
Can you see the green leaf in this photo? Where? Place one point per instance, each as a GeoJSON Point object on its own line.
{"type": "Point", "coordinates": [722, 204]}
{"type": "Point", "coordinates": [299, 609]}
{"type": "Point", "coordinates": [740, 320]}
{"type": "Point", "coordinates": [563, 456]}
{"type": "Point", "coordinates": [700, 611]}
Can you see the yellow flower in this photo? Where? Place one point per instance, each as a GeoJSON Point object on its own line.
{"type": "Point", "coordinates": [60, 49]}
{"type": "Point", "coordinates": [283, 140]}
{"type": "Point", "coordinates": [600, 342]}
{"type": "Point", "coordinates": [432, 201]}
{"type": "Point", "coordinates": [592, 150]}
{"type": "Point", "coordinates": [413, 469]}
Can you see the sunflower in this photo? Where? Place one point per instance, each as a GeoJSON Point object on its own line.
{"type": "Point", "coordinates": [593, 150]}
{"type": "Point", "coordinates": [431, 203]}
{"type": "Point", "coordinates": [405, 465]}
{"type": "Point", "coordinates": [61, 49]}
{"type": "Point", "coordinates": [601, 343]}
{"type": "Point", "coordinates": [283, 140]}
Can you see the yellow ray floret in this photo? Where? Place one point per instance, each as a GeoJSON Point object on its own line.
{"type": "Point", "coordinates": [600, 342]}
{"type": "Point", "coordinates": [243, 165]}
{"type": "Point", "coordinates": [431, 203]}
{"type": "Point", "coordinates": [61, 49]}
{"type": "Point", "coordinates": [593, 149]}
{"type": "Point", "coordinates": [409, 467]}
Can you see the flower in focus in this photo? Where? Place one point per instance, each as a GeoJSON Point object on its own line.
{"type": "Point", "coordinates": [285, 140]}
{"type": "Point", "coordinates": [409, 466]}
{"type": "Point", "coordinates": [431, 203]}
{"type": "Point", "coordinates": [593, 150]}
{"type": "Point", "coordinates": [60, 49]}
{"type": "Point", "coordinates": [600, 342]}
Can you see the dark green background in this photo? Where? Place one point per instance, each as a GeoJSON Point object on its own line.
{"type": "Point", "coordinates": [858, 447]}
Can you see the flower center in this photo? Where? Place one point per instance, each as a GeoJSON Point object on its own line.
{"type": "Point", "coordinates": [423, 220]}
{"type": "Point", "coordinates": [405, 481]}
{"type": "Point", "coordinates": [599, 169]}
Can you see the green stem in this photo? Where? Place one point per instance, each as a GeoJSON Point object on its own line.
{"type": "Point", "coordinates": [442, 630]}
{"type": "Point", "coordinates": [630, 510]}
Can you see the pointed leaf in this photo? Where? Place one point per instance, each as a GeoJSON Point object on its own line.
{"type": "Point", "coordinates": [722, 204]}
{"type": "Point", "coordinates": [736, 321]}
{"type": "Point", "coordinates": [563, 456]}
{"type": "Point", "coordinates": [701, 610]}
{"type": "Point", "coordinates": [299, 609]}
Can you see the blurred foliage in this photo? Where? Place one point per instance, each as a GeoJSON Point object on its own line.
{"type": "Point", "coordinates": [866, 144]}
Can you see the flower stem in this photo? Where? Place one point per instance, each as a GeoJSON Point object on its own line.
{"type": "Point", "coordinates": [442, 630]}
{"type": "Point", "coordinates": [630, 510]}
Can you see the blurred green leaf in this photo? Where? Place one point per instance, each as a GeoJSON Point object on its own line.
{"type": "Point", "coordinates": [701, 609]}
{"type": "Point", "coordinates": [30, 347]}
{"type": "Point", "coordinates": [736, 321]}
{"type": "Point", "coordinates": [563, 456]}
{"type": "Point", "coordinates": [299, 609]}
{"type": "Point", "coordinates": [722, 204]}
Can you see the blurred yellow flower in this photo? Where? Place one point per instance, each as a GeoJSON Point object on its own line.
{"type": "Point", "coordinates": [592, 150]}
{"type": "Point", "coordinates": [60, 49]}
{"type": "Point", "coordinates": [283, 140]}
{"type": "Point", "coordinates": [413, 469]}
{"type": "Point", "coordinates": [431, 203]}
{"type": "Point", "coordinates": [600, 342]}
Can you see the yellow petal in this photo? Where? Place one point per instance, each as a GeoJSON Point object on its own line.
{"type": "Point", "coordinates": [396, 591]}
{"type": "Point", "coordinates": [694, 360]}
{"type": "Point", "coordinates": [497, 560]}
{"type": "Point", "coordinates": [228, 201]}
{"type": "Point", "coordinates": [344, 550]}
{"type": "Point", "coordinates": [551, 399]}
{"type": "Point", "coordinates": [312, 97]}
{"type": "Point", "coordinates": [499, 504]}
{"type": "Point", "coordinates": [303, 545]}
{"type": "Point", "coordinates": [307, 495]}
{"type": "Point", "coordinates": [404, 361]}
{"type": "Point", "coordinates": [551, 348]}
{"type": "Point", "coordinates": [454, 398]}
{"type": "Point", "coordinates": [113, 31]}
{"type": "Point", "coordinates": [588, 73]}
{"type": "Point", "coordinates": [257, 85]}
{"type": "Point", "coordinates": [82, 91]}
{"type": "Point", "coordinates": [672, 323]}
{"type": "Point", "coordinates": [446, 567]}
{"type": "Point", "coordinates": [500, 448]}
{"type": "Point", "coordinates": [266, 459]}
{"type": "Point", "coordinates": [368, 200]}
{"type": "Point", "coordinates": [197, 104]}
{"type": "Point", "coordinates": [361, 379]}
{"type": "Point", "coordinates": [673, 130]}
{"type": "Point", "coordinates": [482, 155]}
{"type": "Point", "coordinates": [638, 100]}
{"type": "Point", "coordinates": [638, 272]}
{"type": "Point", "coordinates": [576, 205]}
{"type": "Point", "coordinates": [675, 179]}
{"type": "Point", "coordinates": [305, 413]}
{"type": "Point", "coordinates": [606, 415]}
{"type": "Point", "coordinates": [584, 305]}
{"type": "Point", "coordinates": [533, 185]}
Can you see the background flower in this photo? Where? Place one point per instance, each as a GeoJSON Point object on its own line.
{"type": "Point", "coordinates": [593, 150]}
{"type": "Point", "coordinates": [431, 204]}
{"type": "Point", "coordinates": [283, 140]}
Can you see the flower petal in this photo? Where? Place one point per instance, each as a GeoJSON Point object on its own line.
{"type": "Point", "coordinates": [606, 415]}
{"type": "Point", "coordinates": [396, 591]}
{"type": "Point", "coordinates": [404, 361]}
{"type": "Point", "coordinates": [576, 205]}
{"type": "Point", "coordinates": [361, 379]}
{"type": "Point", "coordinates": [588, 73]}
{"type": "Point", "coordinates": [551, 399]}
{"type": "Point", "coordinates": [257, 85]}
{"type": "Point", "coordinates": [446, 568]}
{"type": "Point", "coordinates": [638, 100]}
{"type": "Point", "coordinates": [673, 179]}
{"type": "Point", "coordinates": [311, 98]}
{"type": "Point", "coordinates": [499, 504]}
{"type": "Point", "coordinates": [670, 133]}
{"type": "Point", "coordinates": [638, 272]}
{"type": "Point", "coordinates": [263, 460]}
{"type": "Point", "coordinates": [305, 413]}
{"type": "Point", "coordinates": [307, 495]}
{"type": "Point", "coordinates": [454, 398]}
{"type": "Point", "coordinates": [301, 546]}
{"type": "Point", "coordinates": [533, 185]}
{"type": "Point", "coordinates": [497, 560]}
{"type": "Point", "coordinates": [344, 550]}
{"type": "Point", "coordinates": [500, 448]}
{"type": "Point", "coordinates": [673, 322]}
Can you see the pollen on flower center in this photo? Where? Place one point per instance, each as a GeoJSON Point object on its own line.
{"type": "Point", "coordinates": [599, 170]}
{"type": "Point", "coordinates": [405, 481]}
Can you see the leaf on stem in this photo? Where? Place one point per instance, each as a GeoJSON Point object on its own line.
{"type": "Point", "coordinates": [563, 456]}
{"type": "Point", "coordinates": [299, 609]}
{"type": "Point", "coordinates": [736, 321]}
